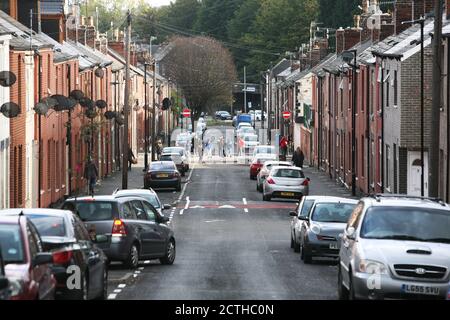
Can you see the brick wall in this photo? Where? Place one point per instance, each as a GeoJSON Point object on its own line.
{"type": "Point", "coordinates": [347, 38]}
{"type": "Point", "coordinates": [406, 10]}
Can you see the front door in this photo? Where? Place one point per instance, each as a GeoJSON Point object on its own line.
{"type": "Point", "coordinates": [415, 173]}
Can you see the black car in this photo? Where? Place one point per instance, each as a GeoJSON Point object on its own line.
{"type": "Point", "coordinates": [163, 174]}
{"type": "Point", "coordinates": [65, 236]}
{"type": "Point", "coordinates": [133, 228]}
{"type": "Point", "coordinates": [5, 292]}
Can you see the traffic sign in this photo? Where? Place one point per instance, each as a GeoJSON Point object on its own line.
{"type": "Point", "coordinates": [286, 114]}
{"type": "Point", "coordinates": [186, 113]}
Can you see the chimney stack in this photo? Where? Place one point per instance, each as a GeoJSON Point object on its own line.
{"type": "Point", "coordinates": [447, 9]}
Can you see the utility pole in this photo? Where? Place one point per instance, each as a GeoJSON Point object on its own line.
{"type": "Point", "coordinates": [126, 106]}
{"type": "Point", "coordinates": [436, 106]}
{"type": "Point", "coordinates": [146, 118]}
{"type": "Point", "coordinates": [154, 112]}
{"type": "Point", "coordinates": [245, 89]}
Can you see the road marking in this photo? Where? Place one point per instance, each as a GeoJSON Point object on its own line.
{"type": "Point", "coordinates": [117, 290]}
{"type": "Point", "coordinates": [197, 207]}
{"type": "Point", "coordinates": [188, 201]}
{"type": "Point", "coordinates": [244, 201]}
{"type": "Point", "coordinates": [181, 212]}
{"type": "Point", "coordinates": [246, 210]}
{"type": "Point", "coordinates": [226, 207]}
{"type": "Point", "coordinates": [112, 296]}
{"type": "Point", "coordinates": [186, 184]}
{"type": "Point", "coordinates": [210, 221]}
{"type": "Point", "coordinates": [122, 285]}
{"type": "Point", "coordinates": [141, 268]}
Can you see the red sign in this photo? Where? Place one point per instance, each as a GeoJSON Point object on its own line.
{"type": "Point", "coordinates": [286, 114]}
{"type": "Point", "coordinates": [186, 113]}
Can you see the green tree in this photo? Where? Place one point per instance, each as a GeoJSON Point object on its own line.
{"type": "Point", "coordinates": [338, 13]}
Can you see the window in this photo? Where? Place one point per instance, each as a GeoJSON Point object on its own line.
{"type": "Point", "coordinates": [388, 159]}
{"type": "Point", "coordinates": [332, 212]}
{"type": "Point", "coordinates": [355, 216]}
{"type": "Point", "coordinates": [380, 151]}
{"type": "Point", "coordinates": [151, 212]}
{"type": "Point", "coordinates": [11, 243]}
{"type": "Point", "coordinates": [128, 211]}
{"type": "Point", "coordinates": [388, 86]}
{"type": "Point", "coordinates": [307, 205]}
{"type": "Point", "coordinates": [49, 226]}
{"type": "Point", "coordinates": [140, 213]}
{"type": "Point", "coordinates": [49, 165]}
{"type": "Point", "coordinates": [395, 89]}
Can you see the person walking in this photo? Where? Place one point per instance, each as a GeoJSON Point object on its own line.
{"type": "Point", "coordinates": [298, 158]}
{"type": "Point", "coordinates": [91, 175]}
{"type": "Point", "coordinates": [131, 158]}
{"type": "Point", "coordinates": [283, 147]}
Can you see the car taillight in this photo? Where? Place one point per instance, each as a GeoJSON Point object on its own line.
{"type": "Point", "coordinates": [62, 257]}
{"type": "Point", "coordinates": [119, 228]}
{"type": "Point", "coordinates": [270, 181]}
{"type": "Point", "coordinates": [305, 183]}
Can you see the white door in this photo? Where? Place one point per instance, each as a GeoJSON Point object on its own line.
{"type": "Point", "coordinates": [415, 173]}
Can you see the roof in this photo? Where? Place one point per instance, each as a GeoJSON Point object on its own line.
{"type": "Point", "coordinates": [52, 7]}
{"type": "Point", "coordinates": [22, 37]}
{"type": "Point", "coordinates": [88, 57]}
{"type": "Point", "coordinates": [62, 52]}
{"type": "Point", "coordinates": [280, 67]}
{"type": "Point", "coordinates": [4, 31]}
{"type": "Point", "coordinates": [338, 64]}
{"type": "Point", "coordinates": [404, 201]}
{"type": "Point", "coordinates": [120, 63]}
{"type": "Point", "coordinates": [318, 69]}
{"type": "Point", "coordinates": [134, 191]}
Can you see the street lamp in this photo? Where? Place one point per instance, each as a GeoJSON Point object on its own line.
{"type": "Point", "coordinates": [421, 21]}
{"type": "Point", "coordinates": [146, 118]}
{"type": "Point", "coordinates": [348, 56]}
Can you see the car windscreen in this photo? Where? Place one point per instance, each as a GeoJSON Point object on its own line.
{"type": "Point", "coordinates": [162, 167]}
{"type": "Point", "coordinates": [49, 226]}
{"type": "Point", "coordinates": [174, 150]}
{"type": "Point", "coordinates": [94, 210]}
{"type": "Point", "coordinates": [288, 173]}
{"type": "Point", "coordinates": [251, 138]}
{"type": "Point", "coordinates": [152, 198]}
{"type": "Point", "coordinates": [11, 244]}
{"type": "Point", "coordinates": [174, 158]}
{"type": "Point", "coordinates": [406, 223]}
{"type": "Point", "coordinates": [332, 212]}
{"type": "Point", "coordinates": [270, 165]}
{"type": "Point", "coordinates": [268, 150]}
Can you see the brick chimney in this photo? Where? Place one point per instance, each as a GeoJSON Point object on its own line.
{"type": "Point", "coordinates": [447, 8]}
{"type": "Point", "coordinates": [347, 38]}
{"type": "Point", "coordinates": [90, 32]}
{"type": "Point", "coordinates": [407, 10]}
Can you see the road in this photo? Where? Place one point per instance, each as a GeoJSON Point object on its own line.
{"type": "Point", "coordinates": [230, 245]}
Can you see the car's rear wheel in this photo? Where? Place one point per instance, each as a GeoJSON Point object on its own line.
{"type": "Point", "coordinates": [169, 258]}
{"type": "Point", "coordinates": [343, 293]}
{"type": "Point", "coordinates": [133, 257]}
{"type": "Point", "coordinates": [104, 294]}
{"type": "Point", "coordinates": [296, 246]}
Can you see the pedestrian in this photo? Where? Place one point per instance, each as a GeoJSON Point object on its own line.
{"type": "Point", "coordinates": [221, 147]}
{"type": "Point", "coordinates": [131, 158]}
{"type": "Point", "coordinates": [91, 175]}
{"type": "Point", "coordinates": [298, 158]}
{"type": "Point", "coordinates": [283, 147]}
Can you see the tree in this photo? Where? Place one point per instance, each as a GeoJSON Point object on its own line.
{"type": "Point", "coordinates": [203, 69]}
{"type": "Point", "coordinates": [338, 13]}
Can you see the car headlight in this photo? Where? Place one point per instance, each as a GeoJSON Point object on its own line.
{"type": "Point", "coordinates": [372, 267]}
{"type": "Point", "coordinates": [15, 287]}
{"type": "Point", "coordinates": [315, 229]}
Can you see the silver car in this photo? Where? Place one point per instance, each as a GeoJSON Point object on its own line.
{"type": "Point", "coordinates": [265, 170]}
{"type": "Point", "coordinates": [396, 247]}
{"type": "Point", "coordinates": [148, 194]}
{"type": "Point", "coordinates": [285, 182]}
{"type": "Point", "coordinates": [326, 220]}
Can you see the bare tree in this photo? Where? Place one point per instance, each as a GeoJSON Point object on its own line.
{"type": "Point", "coordinates": [204, 70]}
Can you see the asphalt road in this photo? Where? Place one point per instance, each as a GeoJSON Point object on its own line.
{"type": "Point", "coordinates": [230, 245]}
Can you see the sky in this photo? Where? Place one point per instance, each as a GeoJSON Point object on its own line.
{"type": "Point", "coordinates": [158, 3]}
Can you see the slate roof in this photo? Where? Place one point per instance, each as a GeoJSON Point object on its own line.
{"type": "Point", "coordinates": [89, 57]}
{"type": "Point", "coordinates": [62, 52]}
{"type": "Point", "coordinates": [22, 37]}
{"type": "Point", "coordinates": [52, 7]}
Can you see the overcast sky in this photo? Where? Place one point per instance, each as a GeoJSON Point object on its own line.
{"type": "Point", "coordinates": [158, 3]}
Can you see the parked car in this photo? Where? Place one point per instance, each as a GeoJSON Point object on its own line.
{"type": "Point", "coordinates": [258, 162]}
{"type": "Point", "coordinates": [250, 142]}
{"type": "Point", "coordinates": [65, 236]}
{"type": "Point", "coordinates": [285, 182]}
{"type": "Point", "coordinates": [163, 174]}
{"type": "Point", "coordinates": [223, 115]}
{"type": "Point", "coordinates": [177, 159]}
{"type": "Point", "coordinates": [5, 291]}
{"type": "Point", "coordinates": [243, 118]}
{"type": "Point", "coordinates": [148, 194]}
{"type": "Point", "coordinates": [396, 247]}
{"type": "Point", "coordinates": [299, 216]}
{"type": "Point", "coordinates": [245, 130]}
{"type": "Point", "coordinates": [27, 266]}
{"type": "Point", "coordinates": [133, 228]}
{"type": "Point", "coordinates": [242, 125]}
{"type": "Point", "coordinates": [265, 170]}
{"type": "Point", "coordinates": [185, 155]}
{"type": "Point", "coordinates": [319, 234]}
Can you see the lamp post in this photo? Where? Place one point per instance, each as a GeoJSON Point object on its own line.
{"type": "Point", "coordinates": [421, 21]}
{"type": "Point", "coordinates": [146, 118]}
{"type": "Point", "coordinates": [348, 56]}
{"type": "Point", "coordinates": [116, 127]}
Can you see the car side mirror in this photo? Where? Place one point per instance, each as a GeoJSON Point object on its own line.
{"type": "Point", "coordinates": [293, 213]}
{"type": "Point", "coordinates": [167, 207]}
{"type": "Point", "coordinates": [101, 238]}
{"type": "Point", "coordinates": [303, 218]}
{"type": "Point", "coordinates": [42, 258]}
{"type": "Point", "coordinates": [163, 219]}
{"type": "Point", "coordinates": [350, 233]}
{"type": "Point", "coordinates": [4, 283]}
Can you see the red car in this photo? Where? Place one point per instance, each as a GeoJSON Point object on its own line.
{"type": "Point", "coordinates": [27, 267]}
{"type": "Point", "coordinates": [258, 162]}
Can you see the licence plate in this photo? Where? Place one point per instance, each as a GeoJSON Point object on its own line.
{"type": "Point", "coordinates": [287, 194]}
{"type": "Point", "coordinates": [417, 289]}
{"type": "Point", "coordinates": [162, 176]}
{"type": "Point", "coordinates": [334, 246]}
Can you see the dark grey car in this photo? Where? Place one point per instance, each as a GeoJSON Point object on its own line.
{"type": "Point", "coordinates": [134, 228]}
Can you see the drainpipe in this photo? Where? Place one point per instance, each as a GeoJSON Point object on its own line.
{"type": "Point", "coordinates": [330, 114]}
{"type": "Point", "coordinates": [40, 173]}
{"type": "Point", "coordinates": [447, 196]}
{"type": "Point", "coordinates": [368, 126]}
{"type": "Point", "coordinates": [319, 140]}
{"type": "Point", "coordinates": [69, 134]}
{"type": "Point", "coordinates": [382, 128]}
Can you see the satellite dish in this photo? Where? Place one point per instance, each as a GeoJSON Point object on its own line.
{"type": "Point", "coordinates": [101, 104]}
{"type": "Point", "coordinates": [87, 103]}
{"type": "Point", "coordinates": [63, 103]}
{"type": "Point", "coordinates": [99, 73]}
{"type": "Point", "coordinates": [7, 78]}
{"type": "Point", "coordinates": [41, 108]}
{"type": "Point", "coordinates": [90, 113]}
{"type": "Point", "coordinates": [77, 95]}
{"type": "Point", "coordinates": [10, 109]}
{"type": "Point", "coordinates": [110, 115]}
{"type": "Point", "coordinates": [166, 104]}
{"type": "Point", "coordinates": [50, 102]}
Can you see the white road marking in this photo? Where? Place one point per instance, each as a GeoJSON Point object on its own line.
{"type": "Point", "coordinates": [245, 210]}
{"type": "Point", "coordinates": [181, 212]}
{"type": "Point", "coordinates": [227, 207]}
{"type": "Point", "coordinates": [197, 207]}
{"type": "Point", "coordinates": [188, 201]}
{"type": "Point", "coordinates": [141, 268]}
{"type": "Point", "coordinates": [185, 185]}
{"type": "Point", "coordinates": [147, 261]}
{"type": "Point", "coordinates": [209, 221]}
{"type": "Point", "coordinates": [137, 272]}
{"type": "Point", "coordinates": [244, 201]}
{"type": "Point", "coordinates": [122, 285]}
{"type": "Point", "coordinates": [112, 296]}
{"type": "Point", "coordinates": [118, 291]}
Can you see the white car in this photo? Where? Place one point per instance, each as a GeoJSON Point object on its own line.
{"type": "Point", "coordinates": [250, 142]}
{"type": "Point", "coordinates": [185, 155]}
{"type": "Point", "coordinates": [264, 149]}
{"type": "Point", "coordinates": [243, 124]}
{"type": "Point", "coordinates": [245, 131]}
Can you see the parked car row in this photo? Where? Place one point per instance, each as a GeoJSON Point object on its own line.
{"type": "Point", "coordinates": [387, 246]}
{"type": "Point", "coordinates": [65, 254]}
